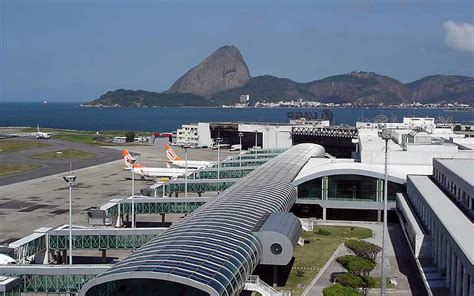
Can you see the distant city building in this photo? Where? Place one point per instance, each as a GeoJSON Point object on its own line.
{"type": "Point", "coordinates": [244, 99]}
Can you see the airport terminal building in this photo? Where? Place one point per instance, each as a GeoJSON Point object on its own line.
{"type": "Point", "coordinates": [436, 215]}
{"type": "Point", "coordinates": [215, 249]}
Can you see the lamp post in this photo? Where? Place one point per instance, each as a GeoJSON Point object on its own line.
{"type": "Point", "coordinates": [256, 139]}
{"type": "Point", "coordinates": [186, 170]}
{"type": "Point", "coordinates": [240, 150]}
{"type": "Point", "coordinates": [133, 160]}
{"type": "Point", "coordinates": [218, 140]}
{"type": "Point", "coordinates": [386, 135]}
{"type": "Point", "coordinates": [70, 179]}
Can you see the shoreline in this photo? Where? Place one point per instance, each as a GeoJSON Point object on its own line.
{"type": "Point", "coordinates": [468, 109]}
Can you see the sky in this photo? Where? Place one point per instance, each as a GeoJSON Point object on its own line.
{"type": "Point", "coordinates": [76, 50]}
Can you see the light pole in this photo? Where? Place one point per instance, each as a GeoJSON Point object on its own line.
{"type": "Point", "coordinates": [70, 179]}
{"type": "Point", "coordinates": [240, 151]}
{"type": "Point", "coordinates": [186, 170]}
{"type": "Point", "coordinates": [218, 140]}
{"type": "Point", "coordinates": [256, 139]}
{"type": "Point", "coordinates": [133, 160]}
{"type": "Point", "coordinates": [386, 135]}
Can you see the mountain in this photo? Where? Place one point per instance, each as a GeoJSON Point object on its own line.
{"type": "Point", "coordinates": [443, 88]}
{"type": "Point", "coordinates": [143, 98]}
{"type": "Point", "coordinates": [360, 88]}
{"type": "Point", "coordinates": [222, 70]}
{"type": "Point", "coordinates": [265, 88]}
{"type": "Point", "coordinates": [223, 76]}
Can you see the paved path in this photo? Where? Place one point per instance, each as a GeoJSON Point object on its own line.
{"type": "Point", "coordinates": [400, 266]}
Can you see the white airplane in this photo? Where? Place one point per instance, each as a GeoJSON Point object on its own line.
{"type": "Point", "coordinates": [143, 171]}
{"type": "Point", "coordinates": [181, 163]}
{"type": "Point", "coordinates": [41, 135]}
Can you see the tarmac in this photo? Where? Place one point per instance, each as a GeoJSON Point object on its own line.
{"type": "Point", "coordinates": [43, 202]}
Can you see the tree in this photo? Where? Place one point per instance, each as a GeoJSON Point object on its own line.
{"type": "Point", "coordinates": [363, 249]}
{"type": "Point", "coordinates": [356, 265]}
{"type": "Point", "coordinates": [338, 290]}
{"type": "Point", "coordinates": [130, 136]}
{"type": "Point", "coordinates": [350, 280]}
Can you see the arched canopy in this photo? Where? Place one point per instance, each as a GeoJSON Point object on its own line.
{"type": "Point", "coordinates": [318, 168]}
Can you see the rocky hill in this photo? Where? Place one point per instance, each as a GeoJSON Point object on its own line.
{"type": "Point", "coordinates": [223, 76]}
{"type": "Point", "coordinates": [443, 88]}
{"type": "Point", "coordinates": [222, 70]}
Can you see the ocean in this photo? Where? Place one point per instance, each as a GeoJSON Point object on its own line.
{"type": "Point", "coordinates": [72, 116]}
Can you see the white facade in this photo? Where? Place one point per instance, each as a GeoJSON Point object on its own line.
{"type": "Point", "coordinates": [273, 136]}
{"type": "Point", "coordinates": [457, 177]}
{"type": "Point", "coordinates": [197, 135]}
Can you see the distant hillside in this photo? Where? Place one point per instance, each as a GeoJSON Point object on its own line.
{"type": "Point", "coordinates": [143, 98]}
{"type": "Point", "coordinates": [443, 88]}
{"type": "Point", "coordinates": [223, 76]}
{"type": "Point", "coordinates": [265, 88]}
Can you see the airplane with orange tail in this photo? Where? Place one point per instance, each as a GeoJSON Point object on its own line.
{"type": "Point", "coordinates": [181, 162]}
{"type": "Point", "coordinates": [149, 172]}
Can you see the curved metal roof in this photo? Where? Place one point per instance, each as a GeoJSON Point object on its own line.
{"type": "Point", "coordinates": [213, 249]}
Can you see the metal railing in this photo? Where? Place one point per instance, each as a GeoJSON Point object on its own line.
{"type": "Point", "coordinates": [255, 284]}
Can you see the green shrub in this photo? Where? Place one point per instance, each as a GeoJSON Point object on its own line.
{"type": "Point", "coordinates": [370, 282]}
{"type": "Point", "coordinates": [363, 249]}
{"type": "Point", "coordinates": [356, 265]}
{"type": "Point", "coordinates": [350, 280]}
{"type": "Point", "coordinates": [338, 290]}
{"type": "Point", "coordinates": [321, 231]}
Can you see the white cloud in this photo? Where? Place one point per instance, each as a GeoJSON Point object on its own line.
{"type": "Point", "coordinates": [459, 36]}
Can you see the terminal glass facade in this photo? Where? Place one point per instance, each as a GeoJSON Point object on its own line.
{"type": "Point", "coordinates": [352, 187]}
{"type": "Point", "coordinates": [347, 187]}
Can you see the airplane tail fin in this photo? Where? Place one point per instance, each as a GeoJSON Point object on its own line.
{"type": "Point", "coordinates": [127, 158]}
{"type": "Point", "coordinates": [38, 127]}
{"type": "Point", "coordinates": [170, 153]}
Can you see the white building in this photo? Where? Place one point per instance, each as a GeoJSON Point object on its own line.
{"type": "Point", "coordinates": [272, 135]}
{"type": "Point", "coordinates": [195, 134]}
{"type": "Point", "coordinates": [244, 99]}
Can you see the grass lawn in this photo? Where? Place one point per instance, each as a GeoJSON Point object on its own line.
{"type": "Point", "coordinates": [316, 252]}
{"type": "Point", "coordinates": [63, 154]}
{"type": "Point", "coordinates": [88, 137]}
{"type": "Point", "coordinates": [15, 168]}
{"type": "Point", "coordinates": [12, 145]}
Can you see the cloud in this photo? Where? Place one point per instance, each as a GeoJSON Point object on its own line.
{"type": "Point", "coordinates": [459, 36]}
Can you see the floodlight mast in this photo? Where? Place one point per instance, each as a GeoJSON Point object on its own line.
{"type": "Point", "coordinates": [386, 135]}
{"type": "Point", "coordinates": [218, 141]}
{"type": "Point", "coordinates": [70, 179]}
{"type": "Point", "coordinates": [133, 160]}
{"type": "Point", "coordinates": [186, 147]}
{"type": "Point", "coordinates": [240, 150]}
